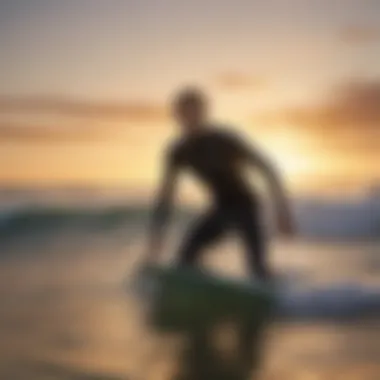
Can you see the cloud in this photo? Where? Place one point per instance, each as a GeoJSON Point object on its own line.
{"type": "Point", "coordinates": [236, 81]}
{"type": "Point", "coordinates": [353, 106]}
{"type": "Point", "coordinates": [345, 126]}
{"type": "Point", "coordinates": [73, 108]}
{"type": "Point", "coordinates": [37, 133]}
{"type": "Point", "coordinates": [356, 35]}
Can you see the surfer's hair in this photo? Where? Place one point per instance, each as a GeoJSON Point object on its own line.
{"type": "Point", "coordinates": [190, 96]}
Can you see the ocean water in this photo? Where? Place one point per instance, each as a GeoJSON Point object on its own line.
{"type": "Point", "coordinates": [67, 313]}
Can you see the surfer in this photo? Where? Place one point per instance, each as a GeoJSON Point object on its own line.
{"type": "Point", "coordinates": [217, 157]}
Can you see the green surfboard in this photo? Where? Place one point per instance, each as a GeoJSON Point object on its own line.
{"type": "Point", "coordinates": [191, 298]}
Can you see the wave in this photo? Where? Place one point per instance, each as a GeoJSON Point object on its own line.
{"type": "Point", "coordinates": [37, 219]}
{"type": "Point", "coordinates": [346, 301]}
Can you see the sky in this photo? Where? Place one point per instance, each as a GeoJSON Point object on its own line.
{"type": "Point", "coordinates": [85, 86]}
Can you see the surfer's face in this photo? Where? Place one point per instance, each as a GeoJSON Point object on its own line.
{"type": "Point", "coordinates": [190, 111]}
{"type": "Point", "coordinates": [190, 117]}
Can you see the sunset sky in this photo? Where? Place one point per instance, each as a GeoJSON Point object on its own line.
{"type": "Point", "coordinates": [84, 86]}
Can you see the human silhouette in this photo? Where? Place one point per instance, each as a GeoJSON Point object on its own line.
{"type": "Point", "coordinates": [218, 157]}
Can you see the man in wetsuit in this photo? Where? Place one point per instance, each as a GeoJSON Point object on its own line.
{"type": "Point", "coordinates": [217, 158]}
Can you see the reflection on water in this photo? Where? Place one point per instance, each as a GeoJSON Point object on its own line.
{"type": "Point", "coordinates": [65, 314]}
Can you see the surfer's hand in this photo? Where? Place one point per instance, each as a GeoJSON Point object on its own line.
{"type": "Point", "coordinates": [286, 226]}
{"type": "Point", "coordinates": [154, 249]}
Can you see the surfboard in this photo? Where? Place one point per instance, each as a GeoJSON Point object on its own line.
{"type": "Point", "coordinates": [182, 298]}
{"type": "Point", "coordinates": [187, 298]}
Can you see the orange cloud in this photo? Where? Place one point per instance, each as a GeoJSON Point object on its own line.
{"type": "Point", "coordinates": [345, 126]}
{"type": "Point", "coordinates": [353, 106]}
{"type": "Point", "coordinates": [37, 133]}
{"type": "Point", "coordinates": [235, 81]}
{"type": "Point", "coordinates": [65, 107]}
{"type": "Point", "coordinates": [360, 34]}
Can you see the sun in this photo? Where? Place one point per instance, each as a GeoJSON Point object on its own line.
{"type": "Point", "coordinates": [292, 153]}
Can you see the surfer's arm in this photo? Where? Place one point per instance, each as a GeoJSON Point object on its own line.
{"type": "Point", "coordinates": [162, 208]}
{"type": "Point", "coordinates": [164, 201]}
{"type": "Point", "coordinates": [276, 187]}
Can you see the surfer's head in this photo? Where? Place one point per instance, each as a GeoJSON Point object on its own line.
{"type": "Point", "coordinates": [190, 109]}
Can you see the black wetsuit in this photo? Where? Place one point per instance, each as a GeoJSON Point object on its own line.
{"type": "Point", "coordinates": [218, 158]}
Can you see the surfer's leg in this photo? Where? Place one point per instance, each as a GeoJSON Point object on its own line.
{"type": "Point", "coordinates": [206, 231]}
{"type": "Point", "coordinates": [250, 228]}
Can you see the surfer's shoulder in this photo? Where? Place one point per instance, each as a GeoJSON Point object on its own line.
{"type": "Point", "coordinates": [228, 133]}
{"type": "Point", "coordinates": [174, 151]}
